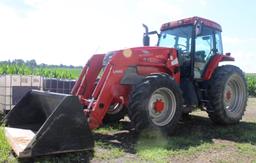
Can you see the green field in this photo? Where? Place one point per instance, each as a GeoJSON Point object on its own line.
{"type": "Point", "coordinates": [251, 83]}
{"type": "Point", "coordinates": [51, 72]}
{"type": "Point", "coordinates": [63, 73]}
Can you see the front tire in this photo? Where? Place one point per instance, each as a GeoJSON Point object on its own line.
{"type": "Point", "coordinates": [228, 95]}
{"type": "Point", "coordinates": [156, 102]}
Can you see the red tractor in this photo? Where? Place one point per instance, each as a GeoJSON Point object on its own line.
{"type": "Point", "coordinates": [153, 85]}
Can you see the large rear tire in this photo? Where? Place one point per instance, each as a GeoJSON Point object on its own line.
{"type": "Point", "coordinates": [156, 102]}
{"type": "Point", "coordinates": [228, 95]}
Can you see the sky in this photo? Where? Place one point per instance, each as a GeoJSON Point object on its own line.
{"type": "Point", "coordinates": [71, 31]}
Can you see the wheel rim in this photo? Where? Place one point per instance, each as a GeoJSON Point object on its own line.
{"type": "Point", "coordinates": [234, 94]}
{"type": "Point", "coordinates": [162, 106]}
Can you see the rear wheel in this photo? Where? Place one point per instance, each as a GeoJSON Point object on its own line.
{"type": "Point", "coordinates": [228, 95]}
{"type": "Point", "coordinates": [156, 102]}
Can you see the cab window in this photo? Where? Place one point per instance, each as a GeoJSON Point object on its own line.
{"type": "Point", "coordinates": [207, 43]}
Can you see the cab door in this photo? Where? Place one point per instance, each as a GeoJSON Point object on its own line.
{"type": "Point", "coordinates": [207, 43]}
{"type": "Point", "coordinates": [204, 50]}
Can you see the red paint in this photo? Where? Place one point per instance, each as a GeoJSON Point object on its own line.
{"type": "Point", "coordinates": [213, 64]}
{"type": "Point", "coordinates": [85, 84]}
{"type": "Point", "coordinates": [228, 95]}
{"type": "Point", "coordinates": [159, 106]}
{"type": "Point", "coordinates": [190, 21]}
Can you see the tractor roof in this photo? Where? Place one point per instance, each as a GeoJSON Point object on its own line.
{"type": "Point", "coordinates": [190, 21]}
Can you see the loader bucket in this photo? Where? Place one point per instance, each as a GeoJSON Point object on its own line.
{"type": "Point", "coordinates": [44, 123]}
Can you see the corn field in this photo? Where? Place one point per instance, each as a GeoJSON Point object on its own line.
{"type": "Point", "coordinates": [251, 83]}
{"type": "Point", "coordinates": [62, 73]}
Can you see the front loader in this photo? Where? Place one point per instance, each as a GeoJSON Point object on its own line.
{"type": "Point", "coordinates": [154, 85]}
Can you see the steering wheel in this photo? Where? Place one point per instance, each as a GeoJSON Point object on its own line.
{"type": "Point", "coordinates": [181, 49]}
{"type": "Point", "coordinates": [182, 45]}
{"type": "Point", "coordinates": [184, 56]}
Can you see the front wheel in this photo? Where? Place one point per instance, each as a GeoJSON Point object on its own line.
{"type": "Point", "coordinates": [156, 102]}
{"type": "Point", "coordinates": [228, 95]}
{"type": "Point", "coordinates": [115, 113]}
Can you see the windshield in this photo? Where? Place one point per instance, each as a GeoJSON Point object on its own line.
{"type": "Point", "coordinates": [179, 38]}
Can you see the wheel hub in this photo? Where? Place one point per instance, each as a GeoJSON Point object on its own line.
{"type": "Point", "coordinates": [159, 105]}
{"type": "Point", "coordinates": [234, 94]}
{"type": "Point", "coordinates": [162, 106]}
{"type": "Point", "coordinates": [228, 95]}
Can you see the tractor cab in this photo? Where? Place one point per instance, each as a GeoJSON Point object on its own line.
{"type": "Point", "coordinates": [196, 40]}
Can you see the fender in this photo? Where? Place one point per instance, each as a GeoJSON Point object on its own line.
{"type": "Point", "coordinates": [213, 64]}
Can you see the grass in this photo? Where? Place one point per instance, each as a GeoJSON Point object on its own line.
{"type": "Point", "coordinates": [159, 148]}
{"type": "Point", "coordinates": [5, 148]}
{"type": "Point", "coordinates": [109, 129]}
{"type": "Point", "coordinates": [246, 149]}
{"type": "Point", "coordinates": [106, 152]}
{"type": "Point", "coordinates": [152, 146]}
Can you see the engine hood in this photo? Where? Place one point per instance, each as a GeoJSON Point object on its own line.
{"type": "Point", "coordinates": [141, 56]}
{"type": "Point", "coordinates": [145, 51]}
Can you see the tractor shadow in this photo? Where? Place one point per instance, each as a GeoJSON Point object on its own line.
{"type": "Point", "coordinates": [192, 131]}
